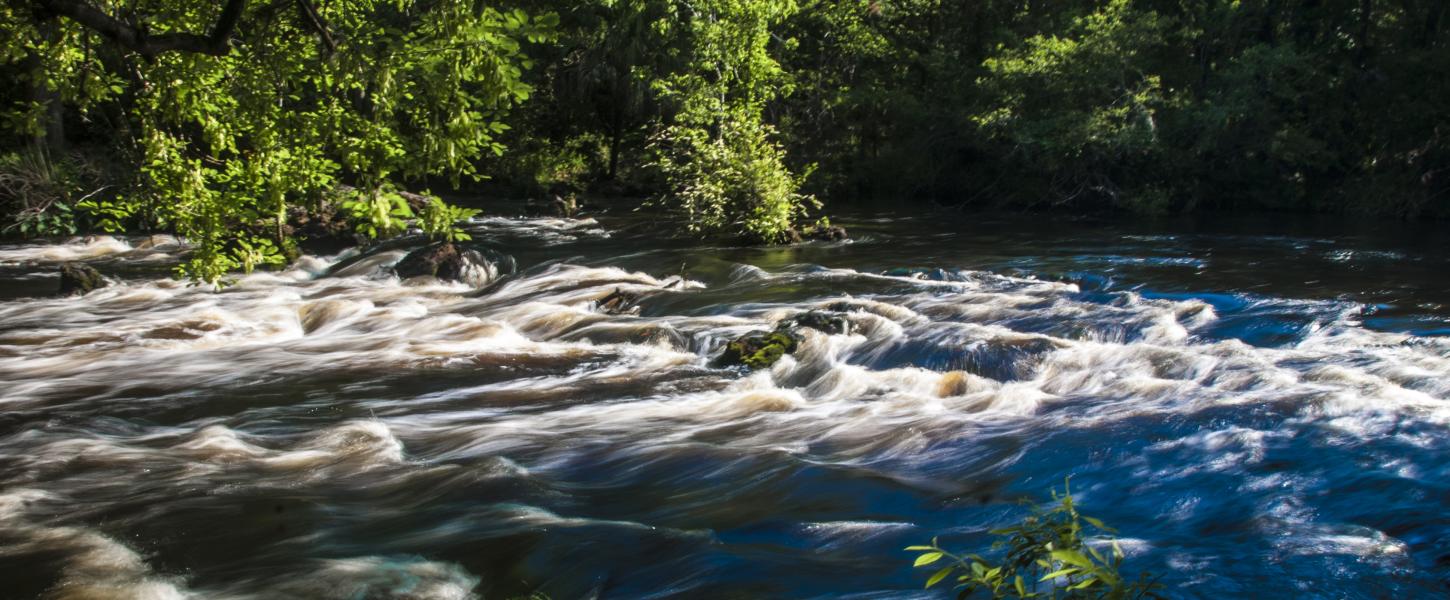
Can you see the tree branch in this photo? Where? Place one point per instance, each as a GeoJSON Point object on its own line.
{"type": "Point", "coordinates": [313, 20]}
{"type": "Point", "coordinates": [133, 38]}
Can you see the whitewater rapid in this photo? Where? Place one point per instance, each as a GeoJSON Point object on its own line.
{"type": "Point", "coordinates": [336, 432]}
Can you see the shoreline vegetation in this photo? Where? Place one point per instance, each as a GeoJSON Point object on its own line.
{"type": "Point", "coordinates": [244, 127]}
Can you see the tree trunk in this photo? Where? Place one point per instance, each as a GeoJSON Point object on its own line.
{"type": "Point", "coordinates": [51, 136]}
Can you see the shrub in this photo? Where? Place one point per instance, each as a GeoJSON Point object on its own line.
{"type": "Point", "coordinates": [40, 194]}
{"type": "Point", "coordinates": [736, 181]}
{"type": "Point", "coordinates": [1048, 549]}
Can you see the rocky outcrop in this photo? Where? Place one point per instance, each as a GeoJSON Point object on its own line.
{"type": "Point", "coordinates": [758, 350]}
{"type": "Point", "coordinates": [449, 262]}
{"type": "Point", "coordinates": [79, 278]}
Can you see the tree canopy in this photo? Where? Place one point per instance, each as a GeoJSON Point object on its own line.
{"type": "Point", "coordinates": [738, 114]}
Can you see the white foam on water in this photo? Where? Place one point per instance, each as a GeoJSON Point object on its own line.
{"type": "Point", "coordinates": [93, 566]}
{"type": "Point", "coordinates": [1079, 365]}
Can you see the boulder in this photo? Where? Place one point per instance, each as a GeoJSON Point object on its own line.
{"type": "Point", "coordinates": [830, 233]}
{"type": "Point", "coordinates": [758, 350]}
{"type": "Point", "coordinates": [449, 262]}
{"type": "Point", "coordinates": [79, 278]}
{"type": "Point", "coordinates": [829, 323]}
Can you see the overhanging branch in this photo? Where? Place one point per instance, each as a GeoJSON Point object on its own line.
{"type": "Point", "coordinates": [314, 21]}
{"type": "Point", "coordinates": [130, 37]}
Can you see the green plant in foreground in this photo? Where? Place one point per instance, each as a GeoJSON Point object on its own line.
{"type": "Point", "coordinates": [439, 221]}
{"type": "Point", "coordinates": [1047, 556]}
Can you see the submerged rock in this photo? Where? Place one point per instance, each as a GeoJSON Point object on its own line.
{"type": "Point", "coordinates": [758, 350]}
{"type": "Point", "coordinates": [829, 233]}
{"type": "Point", "coordinates": [828, 323]}
{"type": "Point", "coordinates": [619, 302]}
{"type": "Point", "coordinates": [564, 206]}
{"type": "Point", "coordinates": [449, 262]}
{"type": "Point", "coordinates": [79, 278]}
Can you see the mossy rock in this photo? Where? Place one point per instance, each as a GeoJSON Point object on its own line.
{"type": "Point", "coordinates": [79, 278]}
{"type": "Point", "coordinates": [758, 350]}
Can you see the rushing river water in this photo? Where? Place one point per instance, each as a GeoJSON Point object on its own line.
{"type": "Point", "coordinates": [1260, 410]}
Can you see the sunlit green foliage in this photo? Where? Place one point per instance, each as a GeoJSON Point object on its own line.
{"type": "Point", "coordinates": [1079, 104]}
{"type": "Point", "coordinates": [735, 180]}
{"type": "Point", "coordinates": [1048, 555]}
{"type": "Point", "coordinates": [378, 212]}
{"type": "Point", "coordinates": [724, 169]}
{"type": "Point", "coordinates": [719, 107]}
{"type": "Point", "coordinates": [439, 221]}
{"type": "Point", "coordinates": [372, 92]}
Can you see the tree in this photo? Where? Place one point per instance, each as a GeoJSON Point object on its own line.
{"type": "Point", "coordinates": [724, 169]}
{"type": "Point", "coordinates": [237, 112]}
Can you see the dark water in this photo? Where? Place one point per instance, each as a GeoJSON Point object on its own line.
{"type": "Point", "coordinates": [1258, 405]}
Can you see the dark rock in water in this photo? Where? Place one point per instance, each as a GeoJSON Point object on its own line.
{"type": "Point", "coordinates": [758, 350]}
{"type": "Point", "coordinates": [830, 233]}
{"type": "Point", "coordinates": [449, 262]}
{"type": "Point", "coordinates": [619, 302]}
{"type": "Point", "coordinates": [824, 322]}
{"type": "Point", "coordinates": [322, 230]}
{"type": "Point", "coordinates": [79, 278]}
{"type": "Point", "coordinates": [562, 206]}
{"type": "Point", "coordinates": [1006, 359]}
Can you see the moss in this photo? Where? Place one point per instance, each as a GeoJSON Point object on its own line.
{"type": "Point", "coordinates": [758, 350]}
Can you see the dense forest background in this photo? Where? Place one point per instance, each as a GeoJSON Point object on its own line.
{"type": "Point", "coordinates": [226, 121]}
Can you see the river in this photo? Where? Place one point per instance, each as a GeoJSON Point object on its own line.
{"type": "Point", "coordinates": [1259, 405]}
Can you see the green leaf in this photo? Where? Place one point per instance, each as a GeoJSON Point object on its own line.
{"type": "Point", "coordinates": [938, 576]}
{"type": "Point", "coordinates": [1071, 557]}
{"type": "Point", "coordinates": [919, 548]}
{"type": "Point", "coordinates": [1059, 573]}
{"type": "Point", "coordinates": [927, 559]}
